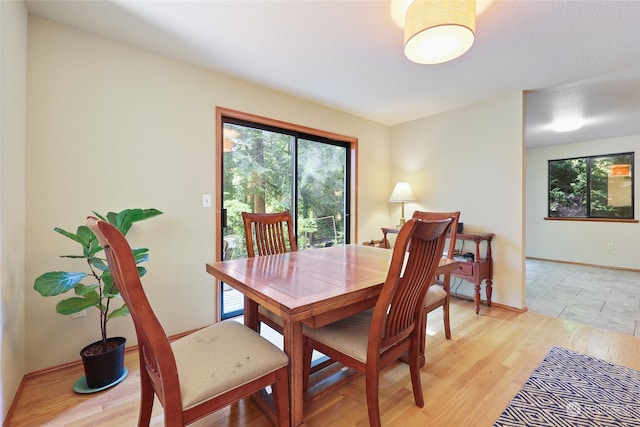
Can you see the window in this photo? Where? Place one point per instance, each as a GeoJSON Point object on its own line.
{"type": "Point", "coordinates": [267, 169]}
{"type": "Point", "coordinates": [599, 187]}
{"type": "Point", "coordinates": [271, 166]}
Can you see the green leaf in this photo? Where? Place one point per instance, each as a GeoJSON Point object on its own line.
{"type": "Point", "coordinates": [77, 304]}
{"type": "Point", "coordinates": [90, 243]}
{"type": "Point", "coordinates": [141, 255]}
{"type": "Point", "coordinates": [85, 235]}
{"type": "Point", "coordinates": [71, 236]}
{"type": "Point", "coordinates": [99, 264]}
{"type": "Point", "coordinates": [107, 278]}
{"type": "Point", "coordinates": [109, 288]}
{"type": "Point", "coordinates": [141, 271]}
{"type": "Point", "coordinates": [124, 220]}
{"type": "Point", "coordinates": [137, 251]}
{"type": "Point", "coordinates": [92, 246]}
{"type": "Point", "coordinates": [82, 290]}
{"type": "Point", "coordinates": [112, 218]}
{"type": "Point", "coordinates": [109, 293]}
{"type": "Point", "coordinates": [57, 282]}
{"type": "Point", "coordinates": [122, 311]}
{"type": "Point", "coordinates": [142, 258]}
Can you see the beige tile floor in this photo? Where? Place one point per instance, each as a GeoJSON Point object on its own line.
{"type": "Point", "coordinates": [600, 297]}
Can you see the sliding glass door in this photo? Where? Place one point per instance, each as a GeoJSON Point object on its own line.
{"type": "Point", "coordinates": [270, 169]}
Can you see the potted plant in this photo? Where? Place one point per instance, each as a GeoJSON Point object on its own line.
{"type": "Point", "coordinates": [103, 360]}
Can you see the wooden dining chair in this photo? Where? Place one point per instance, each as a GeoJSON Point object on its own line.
{"type": "Point", "coordinates": [269, 234]}
{"type": "Point", "coordinates": [201, 372]}
{"type": "Point", "coordinates": [371, 340]}
{"type": "Point", "coordinates": [440, 295]}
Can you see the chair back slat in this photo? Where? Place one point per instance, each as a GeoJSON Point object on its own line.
{"type": "Point", "coordinates": [399, 307]}
{"type": "Point", "coordinates": [268, 233]}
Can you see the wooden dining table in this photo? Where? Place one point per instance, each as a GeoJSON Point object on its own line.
{"type": "Point", "coordinates": [312, 288]}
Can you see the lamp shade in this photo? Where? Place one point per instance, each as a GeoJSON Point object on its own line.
{"type": "Point", "coordinates": [438, 31]}
{"type": "Point", "coordinates": [402, 193]}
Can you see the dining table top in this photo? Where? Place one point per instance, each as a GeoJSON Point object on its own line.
{"type": "Point", "coordinates": [294, 283]}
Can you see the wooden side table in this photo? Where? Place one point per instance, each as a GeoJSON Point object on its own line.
{"type": "Point", "coordinates": [476, 271]}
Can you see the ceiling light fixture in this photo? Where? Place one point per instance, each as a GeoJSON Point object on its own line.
{"type": "Point", "coordinates": [438, 31]}
{"type": "Point", "coordinates": [567, 124]}
{"type": "Point", "coordinates": [398, 9]}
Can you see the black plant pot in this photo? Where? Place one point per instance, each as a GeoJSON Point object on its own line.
{"type": "Point", "coordinates": [102, 368]}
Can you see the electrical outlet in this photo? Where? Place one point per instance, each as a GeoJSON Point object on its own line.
{"type": "Point", "coordinates": [206, 200]}
{"type": "Point", "coordinates": [79, 314]}
{"type": "Point", "coordinates": [611, 246]}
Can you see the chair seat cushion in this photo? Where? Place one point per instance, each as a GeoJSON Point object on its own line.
{"type": "Point", "coordinates": [434, 295]}
{"type": "Point", "coordinates": [220, 357]}
{"type": "Point", "coordinates": [349, 336]}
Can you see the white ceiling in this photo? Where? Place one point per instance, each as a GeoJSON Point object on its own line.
{"type": "Point", "coordinates": [568, 54]}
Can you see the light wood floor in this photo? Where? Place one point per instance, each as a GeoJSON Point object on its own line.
{"type": "Point", "coordinates": [467, 381]}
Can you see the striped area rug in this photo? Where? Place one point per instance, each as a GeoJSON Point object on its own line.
{"type": "Point", "coordinates": [573, 389]}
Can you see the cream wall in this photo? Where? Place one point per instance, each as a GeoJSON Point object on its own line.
{"type": "Point", "coordinates": [578, 241]}
{"type": "Point", "coordinates": [471, 160]}
{"type": "Point", "coordinates": [13, 63]}
{"type": "Point", "coordinates": [112, 127]}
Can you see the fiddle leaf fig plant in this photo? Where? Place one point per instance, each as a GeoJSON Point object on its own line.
{"type": "Point", "coordinates": [99, 290]}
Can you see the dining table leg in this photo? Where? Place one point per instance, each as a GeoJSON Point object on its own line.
{"type": "Point", "coordinates": [293, 346]}
{"type": "Point", "coordinates": [251, 314]}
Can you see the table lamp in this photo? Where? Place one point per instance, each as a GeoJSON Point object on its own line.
{"type": "Point", "coordinates": [402, 193]}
